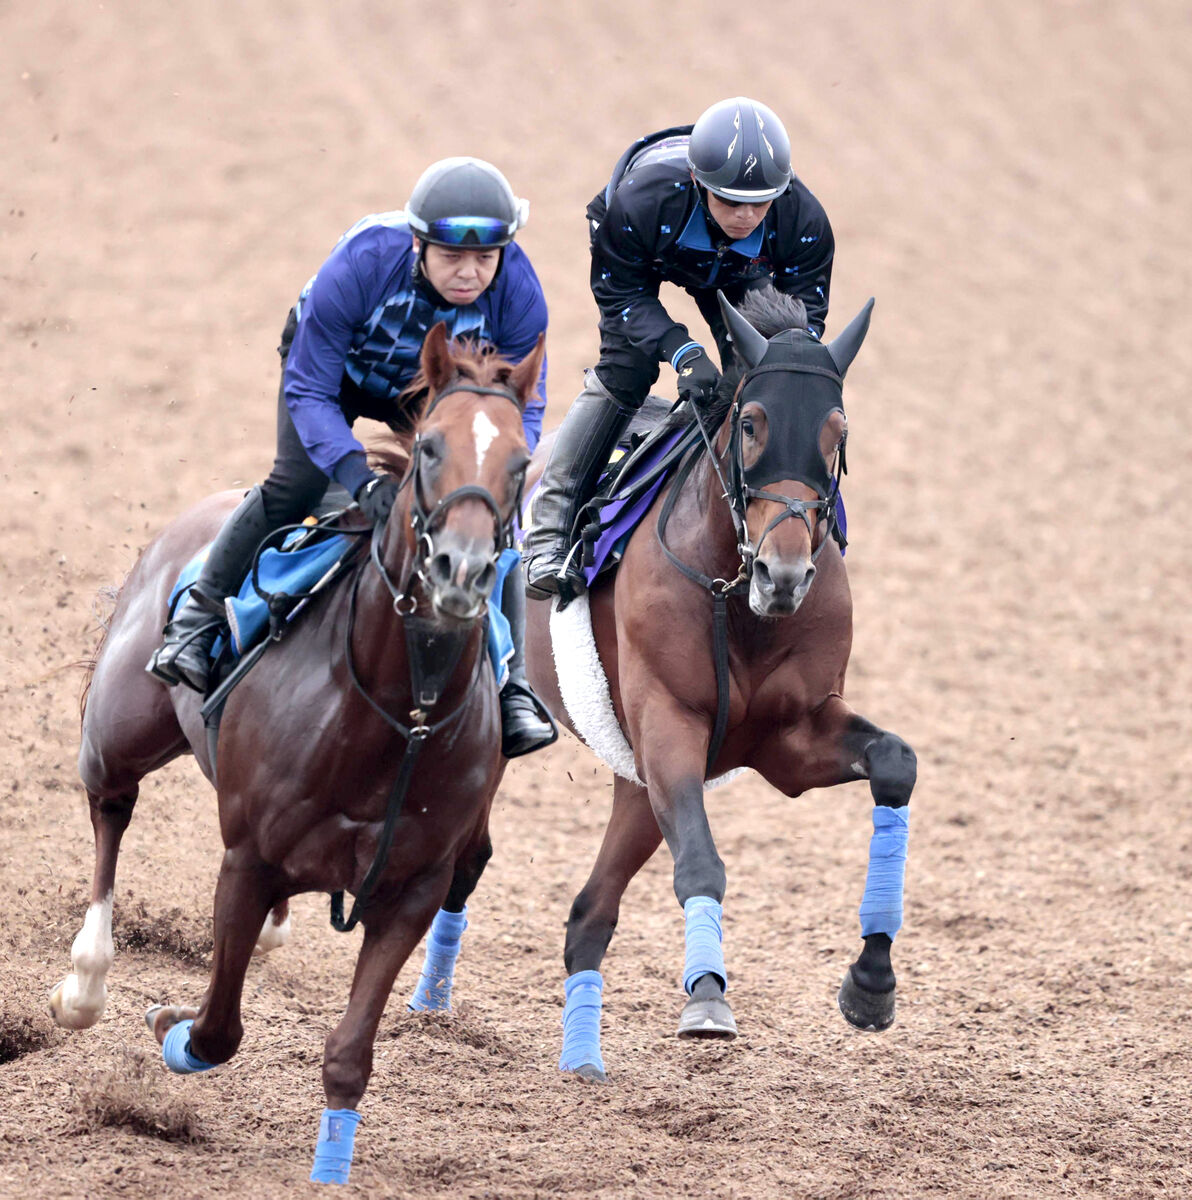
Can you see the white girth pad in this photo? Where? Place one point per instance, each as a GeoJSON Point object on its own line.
{"type": "Point", "coordinates": [584, 688]}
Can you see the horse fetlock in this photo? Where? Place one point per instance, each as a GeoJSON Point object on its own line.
{"type": "Point", "coordinates": [892, 769]}
{"type": "Point", "coordinates": [216, 1046]}
{"type": "Point", "coordinates": [72, 1008]}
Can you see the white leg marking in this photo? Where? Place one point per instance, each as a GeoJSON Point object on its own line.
{"type": "Point", "coordinates": [485, 432]}
{"type": "Point", "coordinates": [78, 1001]}
{"type": "Point", "coordinates": [272, 936]}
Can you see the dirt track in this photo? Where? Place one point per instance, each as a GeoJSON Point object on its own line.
{"type": "Point", "coordinates": [1014, 185]}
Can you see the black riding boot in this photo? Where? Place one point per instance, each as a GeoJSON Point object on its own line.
{"type": "Point", "coordinates": [585, 440]}
{"type": "Point", "coordinates": [185, 653]}
{"type": "Point", "coordinates": [526, 723]}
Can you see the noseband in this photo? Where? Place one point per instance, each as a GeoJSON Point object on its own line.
{"type": "Point", "coordinates": [424, 517]}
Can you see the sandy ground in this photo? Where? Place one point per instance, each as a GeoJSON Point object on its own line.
{"type": "Point", "coordinates": [1013, 182]}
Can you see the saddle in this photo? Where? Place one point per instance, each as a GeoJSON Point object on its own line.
{"type": "Point", "coordinates": [657, 439]}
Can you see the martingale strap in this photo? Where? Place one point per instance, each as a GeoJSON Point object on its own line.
{"type": "Point", "coordinates": [721, 589]}
{"type": "Point", "coordinates": [433, 655]}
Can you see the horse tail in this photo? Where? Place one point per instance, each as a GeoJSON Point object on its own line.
{"type": "Point", "coordinates": [103, 607]}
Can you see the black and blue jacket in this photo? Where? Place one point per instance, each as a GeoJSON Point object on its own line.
{"type": "Point", "coordinates": [361, 322]}
{"type": "Point", "coordinates": [650, 225]}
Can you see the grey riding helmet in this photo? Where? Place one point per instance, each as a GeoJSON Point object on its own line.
{"type": "Point", "coordinates": [465, 203]}
{"type": "Point", "coordinates": [740, 152]}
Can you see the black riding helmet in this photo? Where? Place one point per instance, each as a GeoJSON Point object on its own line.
{"type": "Point", "coordinates": [740, 152]}
{"type": "Point", "coordinates": [465, 203]}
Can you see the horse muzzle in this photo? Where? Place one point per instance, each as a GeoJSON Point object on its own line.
{"type": "Point", "coordinates": [459, 579]}
{"type": "Point", "coordinates": [777, 588]}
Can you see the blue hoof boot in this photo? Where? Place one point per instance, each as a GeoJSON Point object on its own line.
{"type": "Point", "coordinates": [176, 1053]}
{"type": "Point", "coordinates": [337, 1141]}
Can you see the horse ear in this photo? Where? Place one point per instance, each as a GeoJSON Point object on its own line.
{"type": "Point", "coordinates": [437, 364]}
{"type": "Point", "coordinates": [747, 342]}
{"type": "Point", "coordinates": [523, 378]}
{"type": "Point", "coordinates": [843, 348]}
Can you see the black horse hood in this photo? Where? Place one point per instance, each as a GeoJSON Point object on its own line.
{"type": "Point", "coordinates": [799, 387]}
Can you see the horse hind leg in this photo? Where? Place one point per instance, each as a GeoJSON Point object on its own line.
{"type": "Point", "coordinates": [432, 992]}
{"type": "Point", "coordinates": [77, 1001]}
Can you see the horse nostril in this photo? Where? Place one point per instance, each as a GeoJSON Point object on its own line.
{"type": "Point", "coordinates": [762, 572]}
{"type": "Point", "coordinates": [439, 569]}
{"type": "Point", "coordinates": [486, 579]}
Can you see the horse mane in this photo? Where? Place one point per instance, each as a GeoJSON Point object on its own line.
{"type": "Point", "coordinates": [770, 312]}
{"type": "Point", "coordinates": [477, 362]}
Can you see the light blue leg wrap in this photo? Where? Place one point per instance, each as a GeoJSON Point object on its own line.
{"type": "Point", "coordinates": [433, 990]}
{"type": "Point", "coordinates": [337, 1140]}
{"type": "Point", "coordinates": [881, 906]}
{"type": "Point", "coordinates": [175, 1051]}
{"type": "Point", "coordinates": [581, 1021]}
{"type": "Point", "coordinates": [705, 955]}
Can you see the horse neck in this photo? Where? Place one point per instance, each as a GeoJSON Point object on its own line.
{"type": "Point", "coordinates": [708, 532]}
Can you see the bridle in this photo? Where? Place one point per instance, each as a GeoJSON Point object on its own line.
{"type": "Point", "coordinates": [431, 669]}
{"type": "Point", "coordinates": [425, 517]}
{"type": "Point", "coordinates": [737, 491]}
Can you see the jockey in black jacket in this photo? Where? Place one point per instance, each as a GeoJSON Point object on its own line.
{"type": "Point", "coordinates": [710, 206]}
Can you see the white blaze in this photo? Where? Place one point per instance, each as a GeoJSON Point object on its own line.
{"type": "Point", "coordinates": [485, 432]}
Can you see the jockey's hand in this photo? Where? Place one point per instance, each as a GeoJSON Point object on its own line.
{"type": "Point", "coordinates": [375, 497]}
{"type": "Point", "coordinates": [697, 377]}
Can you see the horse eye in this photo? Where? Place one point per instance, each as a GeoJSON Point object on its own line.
{"type": "Point", "coordinates": [747, 427]}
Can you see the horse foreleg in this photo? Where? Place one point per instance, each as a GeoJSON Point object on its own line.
{"type": "Point", "coordinates": [390, 936]}
{"type": "Point", "coordinates": [246, 891]}
{"type": "Point", "coordinates": [674, 746]}
{"type": "Point", "coordinates": [838, 746]}
{"type": "Point", "coordinates": [78, 1000]}
{"type": "Point", "coordinates": [433, 989]}
{"type": "Point", "coordinates": [630, 839]}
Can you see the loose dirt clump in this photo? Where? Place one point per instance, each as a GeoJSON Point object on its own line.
{"type": "Point", "coordinates": [174, 933]}
{"type": "Point", "coordinates": [21, 1034]}
{"type": "Point", "coordinates": [131, 1093]}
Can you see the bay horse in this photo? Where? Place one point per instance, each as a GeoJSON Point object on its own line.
{"type": "Point", "coordinates": [724, 636]}
{"type": "Point", "coordinates": [318, 741]}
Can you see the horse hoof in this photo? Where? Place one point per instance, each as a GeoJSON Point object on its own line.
{"type": "Point", "coordinates": [870, 1011]}
{"type": "Point", "coordinates": [161, 1018]}
{"type": "Point", "coordinates": [589, 1073]}
{"type": "Point", "coordinates": [707, 1019]}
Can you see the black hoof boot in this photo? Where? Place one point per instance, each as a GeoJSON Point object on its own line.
{"type": "Point", "coordinates": [526, 725]}
{"type": "Point", "coordinates": [871, 1011]}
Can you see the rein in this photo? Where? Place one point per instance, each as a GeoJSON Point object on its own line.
{"type": "Point", "coordinates": [432, 654]}
{"type": "Point", "coordinates": [737, 492]}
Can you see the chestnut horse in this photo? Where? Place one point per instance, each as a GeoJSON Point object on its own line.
{"type": "Point", "coordinates": [317, 742]}
{"type": "Point", "coordinates": [724, 636]}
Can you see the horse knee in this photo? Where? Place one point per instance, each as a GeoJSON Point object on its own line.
{"type": "Point", "coordinates": [892, 770]}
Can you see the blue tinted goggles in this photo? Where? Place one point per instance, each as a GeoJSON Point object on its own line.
{"type": "Point", "coordinates": [468, 231]}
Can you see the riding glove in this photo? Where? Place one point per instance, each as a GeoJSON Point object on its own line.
{"type": "Point", "coordinates": [376, 497]}
{"type": "Point", "coordinates": [697, 376]}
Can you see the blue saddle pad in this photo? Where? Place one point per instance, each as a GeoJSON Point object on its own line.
{"type": "Point", "coordinates": [299, 570]}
